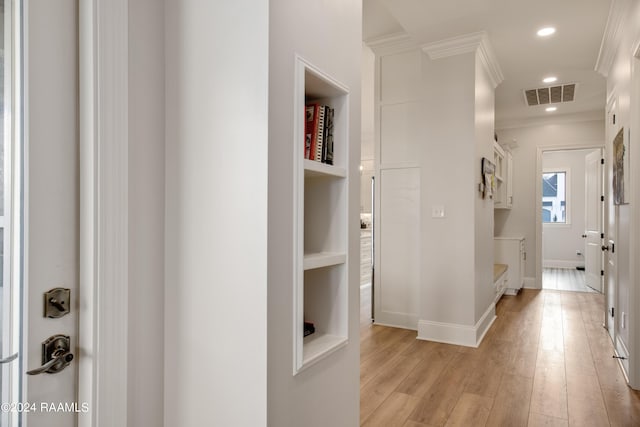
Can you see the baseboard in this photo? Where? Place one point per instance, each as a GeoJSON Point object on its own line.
{"type": "Point", "coordinates": [452, 333]}
{"type": "Point", "coordinates": [530, 283]}
{"type": "Point", "coordinates": [623, 357]}
{"type": "Point", "coordinates": [561, 263]}
{"type": "Point", "coordinates": [396, 320]}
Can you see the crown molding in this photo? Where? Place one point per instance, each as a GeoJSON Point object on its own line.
{"type": "Point", "coordinates": [391, 43]}
{"type": "Point", "coordinates": [587, 116]}
{"type": "Point", "coordinates": [468, 43]}
{"type": "Point", "coordinates": [612, 35]}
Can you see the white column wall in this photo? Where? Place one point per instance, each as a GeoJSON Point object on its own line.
{"type": "Point", "coordinates": [483, 210]}
{"type": "Point", "coordinates": [216, 213]}
{"type": "Point", "coordinates": [437, 116]}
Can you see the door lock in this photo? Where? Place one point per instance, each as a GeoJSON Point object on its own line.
{"type": "Point", "coordinates": [56, 355]}
{"type": "Point", "coordinates": [57, 302]}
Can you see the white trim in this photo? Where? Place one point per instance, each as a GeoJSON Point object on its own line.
{"type": "Point", "coordinates": [588, 116]}
{"type": "Point", "coordinates": [391, 43]}
{"type": "Point", "coordinates": [468, 43]}
{"type": "Point", "coordinates": [623, 356]}
{"type": "Point", "coordinates": [612, 34]}
{"type": "Point", "coordinates": [104, 196]}
{"type": "Point", "coordinates": [452, 333]}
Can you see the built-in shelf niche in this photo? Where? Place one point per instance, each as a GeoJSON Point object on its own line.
{"type": "Point", "coordinates": [321, 285]}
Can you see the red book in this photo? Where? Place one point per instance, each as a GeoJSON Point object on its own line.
{"type": "Point", "coordinates": [310, 130]}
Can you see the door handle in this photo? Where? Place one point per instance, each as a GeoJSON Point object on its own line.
{"type": "Point", "coordinates": [611, 248]}
{"type": "Point", "coordinates": [9, 359]}
{"type": "Point", "coordinates": [60, 361]}
{"type": "Point", "coordinates": [56, 355]}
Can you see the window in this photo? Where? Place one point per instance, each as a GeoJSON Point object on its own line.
{"type": "Point", "coordinates": [554, 197]}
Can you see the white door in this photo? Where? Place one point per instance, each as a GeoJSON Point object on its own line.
{"type": "Point", "coordinates": [45, 225]}
{"type": "Point", "coordinates": [594, 226]}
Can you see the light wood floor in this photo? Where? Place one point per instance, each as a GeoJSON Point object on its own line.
{"type": "Point", "coordinates": [546, 361]}
{"type": "Point", "coordinates": [565, 279]}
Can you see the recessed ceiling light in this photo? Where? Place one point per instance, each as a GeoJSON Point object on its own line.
{"type": "Point", "coordinates": [550, 109]}
{"type": "Point", "coordinates": [547, 31]}
{"type": "Point", "coordinates": [549, 79]}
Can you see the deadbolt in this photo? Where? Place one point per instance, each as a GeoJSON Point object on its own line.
{"type": "Point", "coordinates": [57, 302]}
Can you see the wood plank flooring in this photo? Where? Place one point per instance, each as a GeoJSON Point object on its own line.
{"type": "Point", "coordinates": [565, 279]}
{"type": "Point", "coordinates": [545, 362]}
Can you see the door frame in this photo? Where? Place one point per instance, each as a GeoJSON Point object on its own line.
{"type": "Point", "coordinates": [104, 130]}
{"type": "Point", "coordinates": [540, 151]}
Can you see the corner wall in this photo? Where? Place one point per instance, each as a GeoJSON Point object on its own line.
{"type": "Point", "coordinates": [328, 35]}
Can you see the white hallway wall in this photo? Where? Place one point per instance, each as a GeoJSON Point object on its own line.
{"type": "Point", "coordinates": [626, 233]}
{"type": "Point", "coordinates": [561, 241]}
{"type": "Point", "coordinates": [586, 130]}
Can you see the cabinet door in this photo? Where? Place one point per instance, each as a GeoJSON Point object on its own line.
{"type": "Point", "coordinates": [509, 180]}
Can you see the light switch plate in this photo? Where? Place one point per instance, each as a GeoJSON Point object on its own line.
{"type": "Point", "coordinates": [437, 212]}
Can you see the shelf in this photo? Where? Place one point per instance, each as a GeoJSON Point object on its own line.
{"type": "Point", "coordinates": [317, 346]}
{"type": "Point", "coordinates": [323, 259]}
{"type": "Point", "coordinates": [318, 169]}
{"type": "Point", "coordinates": [321, 290]}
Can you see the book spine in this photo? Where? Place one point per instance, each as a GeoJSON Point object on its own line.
{"type": "Point", "coordinates": [329, 137]}
{"type": "Point", "coordinates": [320, 134]}
{"type": "Point", "coordinates": [308, 129]}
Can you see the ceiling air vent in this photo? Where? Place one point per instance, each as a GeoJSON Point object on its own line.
{"type": "Point", "coordinates": [550, 95]}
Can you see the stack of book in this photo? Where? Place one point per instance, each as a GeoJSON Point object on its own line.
{"type": "Point", "coordinates": [318, 130]}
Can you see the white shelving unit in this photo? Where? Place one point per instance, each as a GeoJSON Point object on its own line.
{"type": "Point", "coordinates": [321, 268]}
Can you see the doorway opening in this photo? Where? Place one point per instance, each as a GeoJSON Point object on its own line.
{"type": "Point", "coordinates": [571, 219]}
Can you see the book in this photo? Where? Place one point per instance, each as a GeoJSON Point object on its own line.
{"type": "Point", "coordinates": [316, 150]}
{"type": "Point", "coordinates": [318, 141]}
{"type": "Point", "coordinates": [311, 123]}
{"type": "Point", "coordinates": [327, 156]}
{"type": "Point", "coordinates": [309, 328]}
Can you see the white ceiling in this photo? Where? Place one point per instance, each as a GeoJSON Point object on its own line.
{"type": "Point", "coordinates": [570, 54]}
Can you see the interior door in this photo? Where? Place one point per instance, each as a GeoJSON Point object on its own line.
{"type": "Point", "coordinates": [42, 137]}
{"type": "Point", "coordinates": [594, 226]}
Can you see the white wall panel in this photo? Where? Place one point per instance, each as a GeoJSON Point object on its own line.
{"type": "Point", "coordinates": [400, 77]}
{"type": "Point", "coordinates": [399, 268]}
{"type": "Point", "coordinates": [400, 131]}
